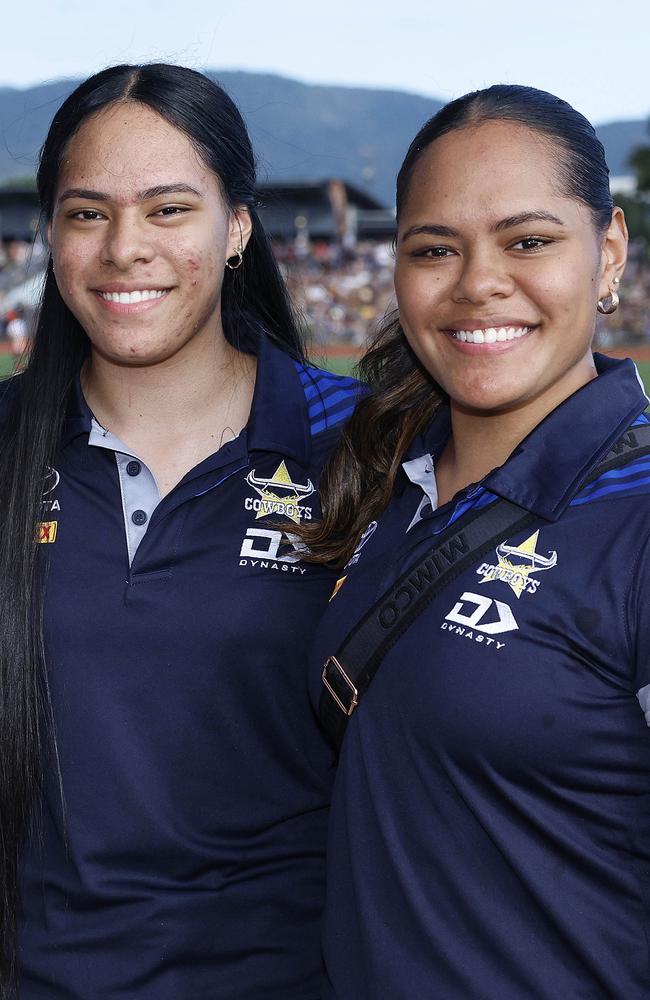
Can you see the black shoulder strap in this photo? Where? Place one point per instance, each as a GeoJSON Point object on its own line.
{"type": "Point", "coordinates": [348, 673]}
{"type": "Point", "coordinates": [635, 443]}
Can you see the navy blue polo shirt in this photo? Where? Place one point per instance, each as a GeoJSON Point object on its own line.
{"type": "Point", "coordinates": [190, 863]}
{"type": "Point", "coordinates": [490, 826]}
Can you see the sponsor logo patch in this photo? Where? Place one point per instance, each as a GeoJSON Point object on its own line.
{"type": "Point", "coordinates": [263, 548]}
{"type": "Point", "coordinates": [480, 618]}
{"type": "Point", "coordinates": [46, 532]}
{"type": "Point", "coordinates": [354, 558]}
{"type": "Point", "coordinates": [50, 483]}
{"type": "Point", "coordinates": [365, 537]}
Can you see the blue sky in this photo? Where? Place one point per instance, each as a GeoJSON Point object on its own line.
{"type": "Point", "coordinates": [594, 54]}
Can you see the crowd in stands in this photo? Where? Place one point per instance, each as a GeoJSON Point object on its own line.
{"type": "Point", "coordinates": [22, 268]}
{"type": "Point", "coordinates": [630, 324]}
{"type": "Point", "coordinates": [342, 292]}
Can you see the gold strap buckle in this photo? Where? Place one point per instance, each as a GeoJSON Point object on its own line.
{"type": "Point", "coordinates": [333, 675]}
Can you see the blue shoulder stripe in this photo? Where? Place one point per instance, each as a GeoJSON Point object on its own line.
{"type": "Point", "coordinates": [636, 486]}
{"type": "Point", "coordinates": [331, 399]}
{"type": "Point", "coordinates": [632, 479]}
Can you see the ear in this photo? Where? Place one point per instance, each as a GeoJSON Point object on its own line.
{"type": "Point", "coordinates": [613, 253]}
{"type": "Point", "coordinates": [240, 229]}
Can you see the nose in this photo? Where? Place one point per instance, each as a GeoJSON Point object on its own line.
{"type": "Point", "coordinates": [484, 274]}
{"type": "Point", "coordinates": [127, 241]}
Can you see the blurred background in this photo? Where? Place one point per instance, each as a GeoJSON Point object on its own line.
{"type": "Point", "coordinates": [332, 97]}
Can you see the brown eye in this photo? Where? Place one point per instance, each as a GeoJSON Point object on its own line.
{"type": "Point", "coordinates": [87, 215]}
{"type": "Point", "coordinates": [434, 253]}
{"type": "Point", "coordinates": [170, 211]}
{"type": "Point", "coordinates": [530, 243]}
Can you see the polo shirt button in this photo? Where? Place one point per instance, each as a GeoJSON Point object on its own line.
{"type": "Point", "coordinates": [133, 468]}
{"type": "Point", "coordinates": [138, 517]}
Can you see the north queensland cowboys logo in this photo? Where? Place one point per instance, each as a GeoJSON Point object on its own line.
{"type": "Point", "coordinates": [279, 495]}
{"type": "Point", "coordinates": [516, 565]}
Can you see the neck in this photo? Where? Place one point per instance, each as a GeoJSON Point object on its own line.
{"type": "Point", "coordinates": [180, 392]}
{"type": "Point", "coordinates": [477, 445]}
{"type": "Point", "coordinates": [176, 413]}
{"type": "Point", "coordinates": [481, 442]}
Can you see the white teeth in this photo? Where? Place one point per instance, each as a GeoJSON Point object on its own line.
{"type": "Point", "coordinates": [129, 298]}
{"type": "Point", "coordinates": [492, 334]}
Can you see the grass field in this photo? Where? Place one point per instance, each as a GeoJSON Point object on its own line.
{"type": "Point", "coordinates": [644, 372]}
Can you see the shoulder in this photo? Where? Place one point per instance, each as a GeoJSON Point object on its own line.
{"type": "Point", "coordinates": [9, 394]}
{"type": "Point", "coordinates": [627, 473]}
{"type": "Point", "coordinates": [331, 399]}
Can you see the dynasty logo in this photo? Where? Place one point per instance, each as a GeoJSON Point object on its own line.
{"type": "Point", "coordinates": [263, 548]}
{"type": "Point", "coordinates": [479, 618]}
{"type": "Point", "coordinates": [279, 495]}
{"type": "Point", "coordinates": [516, 565]}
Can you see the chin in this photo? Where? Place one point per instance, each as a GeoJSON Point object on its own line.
{"type": "Point", "coordinates": [487, 403]}
{"type": "Point", "coordinates": [484, 397]}
{"type": "Point", "coordinates": [132, 348]}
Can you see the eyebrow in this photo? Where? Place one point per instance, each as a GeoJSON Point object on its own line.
{"type": "Point", "coordinates": [524, 217]}
{"type": "Point", "coordinates": [510, 222]}
{"type": "Point", "coordinates": [153, 192]}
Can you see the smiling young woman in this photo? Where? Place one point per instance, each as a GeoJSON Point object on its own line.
{"type": "Point", "coordinates": [490, 826]}
{"type": "Point", "coordinates": [498, 273]}
{"type": "Point", "coordinates": [163, 813]}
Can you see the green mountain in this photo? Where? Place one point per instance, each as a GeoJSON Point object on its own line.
{"type": "Point", "coordinates": [300, 131]}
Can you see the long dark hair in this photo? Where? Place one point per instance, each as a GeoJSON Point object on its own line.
{"type": "Point", "coordinates": [254, 303]}
{"type": "Point", "coordinates": [360, 475]}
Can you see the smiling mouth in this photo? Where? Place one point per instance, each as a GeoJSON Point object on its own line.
{"type": "Point", "coordinates": [130, 298]}
{"type": "Point", "coordinates": [492, 335]}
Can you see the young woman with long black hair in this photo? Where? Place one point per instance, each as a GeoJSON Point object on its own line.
{"type": "Point", "coordinates": [488, 642]}
{"type": "Point", "coordinates": [160, 781]}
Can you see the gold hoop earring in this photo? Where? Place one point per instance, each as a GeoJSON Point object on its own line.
{"type": "Point", "coordinates": [238, 257]}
